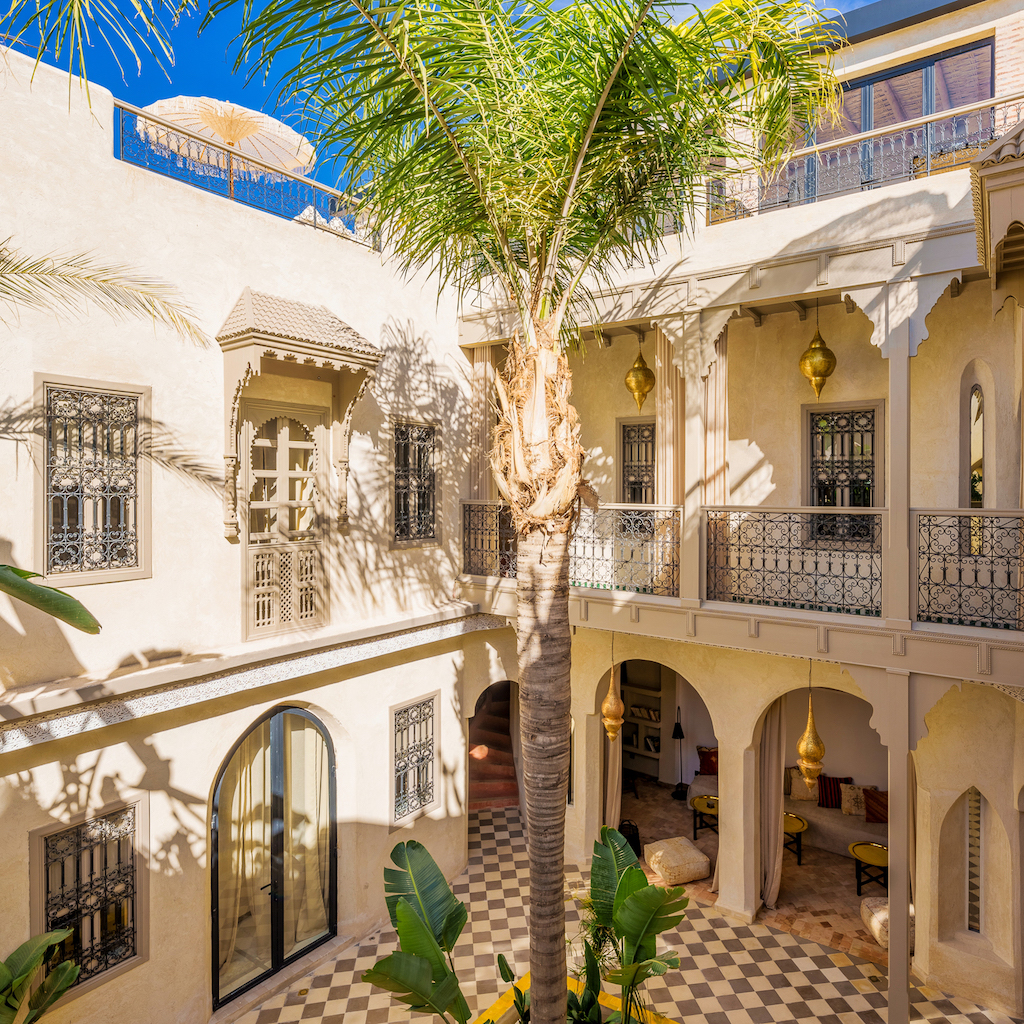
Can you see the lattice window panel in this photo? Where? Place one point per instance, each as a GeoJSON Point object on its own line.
{"type": "Point", "coordinates": [415, 483]}
{"type": "Point", "coordinates": [973, 860]}
{"type": "Point", "coordinates": [415, 754]}
{"type": "Point", "coordinates": [285, 587]}
{"type": "Point", "coordinates": [638, 463]}
{"type": "Point", "coordinates": [91, 888]}
{"type": "Point", "coordinates": [92, 480]}
{"type": "Point", "coordinates": [843, 458]}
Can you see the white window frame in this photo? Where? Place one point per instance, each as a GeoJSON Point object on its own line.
{"type": "Point", "coordinates": [139, 800]}
{"type": "Point", "coordinates": [411, 816]}
{"type": "Point", "coordinates": [144, 511]}
{"type": "Point", "coordinates": [397, 543]}
{"type": "Point", "coordinates": [317, 419]}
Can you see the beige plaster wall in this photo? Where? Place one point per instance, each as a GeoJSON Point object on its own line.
{"type": "Point", "coordinates": [173, 761]}
{"type": "Point", "coordinates": [767, 393]}
{"type": "Point", "coordinates": [975, 738]}
{"type": "Point", "coordinates": [603, 403]}
{"type": "Point", "coordinates": [65, 192]}
{"type": "Point", "coordinates": [960, 331]}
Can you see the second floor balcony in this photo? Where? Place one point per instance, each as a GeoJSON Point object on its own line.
{"type": "Point", "coordinates": [968, 566]}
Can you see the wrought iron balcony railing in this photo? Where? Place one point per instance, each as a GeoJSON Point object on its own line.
{"type": "Point", "coordinates": [928, 145]}
{"type": "Point", "coordinates": [618, 547]}
{"type": "Point", "coordinates": [827, 560]}
{"type": "Point", "coordinates": [195, 160]}
{"type": "Point", "coordinates": [970, 567]}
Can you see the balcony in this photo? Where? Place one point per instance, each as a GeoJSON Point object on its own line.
{"type": "Point", "coordinates": [915, 149]}
{"type": "Point", "coordinates": [826, 560]}
{"type": "Point", "coordinates": [203, 164]}
{"type": "Point", "coordinates": [618, 547]}
{"type": "Point", "coordinates": [969, 567]}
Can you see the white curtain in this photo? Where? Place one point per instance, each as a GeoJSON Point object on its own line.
{"type": "Point", "coordinates": [772, 765]}
{"type": "Point", "coordinates": [307, 828]}
{"type": "Point", "coordinates": [613, 771]}
{"type": "Point", "coordinates": [243, 862]}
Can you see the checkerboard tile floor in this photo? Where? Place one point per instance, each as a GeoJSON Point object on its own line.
{"type": "Point", "coordinates": [728, 973]}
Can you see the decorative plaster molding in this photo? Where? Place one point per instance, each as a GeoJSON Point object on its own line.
{"type": "Point", "coordinates": [106, 711]}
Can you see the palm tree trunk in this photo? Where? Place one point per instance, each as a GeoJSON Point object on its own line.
{"type": "Point", "coordinates": [542, 569]}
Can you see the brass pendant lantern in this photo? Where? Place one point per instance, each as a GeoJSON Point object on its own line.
{"type": "Point", "coordinates": [640, 379]}
{"type": "Point", "coordinates": [612, 708]}
{"type": "Point", "coordinates": [819, 361]}
{"type": "Point", "coordinates": [810, 746]}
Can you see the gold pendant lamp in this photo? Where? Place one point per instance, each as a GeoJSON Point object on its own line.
{"type": "Point", "coordinates": [819, 361]}
{"type": "Point", "coordinates": [640, 378]}
{"type": "Point", "coordinates": [810, 747]}
{"type": "Point", "coordinates": [612, 707]}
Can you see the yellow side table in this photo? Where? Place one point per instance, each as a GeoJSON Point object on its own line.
{"type": "Point", "coordinates": [705, 813]}
{"type": "Point", "coordinates": [872, 864]}
{"type": "Point", "coordinates": [794, 826]}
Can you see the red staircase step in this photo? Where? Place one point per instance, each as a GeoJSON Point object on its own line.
{"type": "Point", "coordinates": [494, 740]}
{"type": "Point", "coordinates": [492, 789]}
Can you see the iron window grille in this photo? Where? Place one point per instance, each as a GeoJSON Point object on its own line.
{"type": "Point", "coordinates": [92, 480]}
{"type": "Point", "coordinates": [415, 483]}
{"type": "Point", "coordinates": [973, 860]}
{"type": "Point", "coordinates": [90, 884]}
{"type": "Point", "coordinates": [842, 471]}
{"type": "Point", "coordinates": [638, 463]}
{"type": "Point", "coordinates": [415, 753]}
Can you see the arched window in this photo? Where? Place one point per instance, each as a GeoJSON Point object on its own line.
{"type": "Point", "coordinates": [274, 856]}
{"type": "Point", "coordinates": [973, 860]}
{"type": "Point", "coordinates": [976, 428]}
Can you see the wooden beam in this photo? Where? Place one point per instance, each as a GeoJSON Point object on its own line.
{"type": "Point", "coordinates": [801, 310]}
{"type": "Point", "coordinates": [850, 304]}
{"type": "Point", "coordinates": [942, 87]}
{"type": "Point", "coordinates": [752, 313]}
{"type": "Point", "coordinates": [890, 94]}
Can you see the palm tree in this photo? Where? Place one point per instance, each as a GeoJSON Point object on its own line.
{"type": "Point", "coordinates": [63, 285]}
{"type": "Point", "coordinates": [525, 148]}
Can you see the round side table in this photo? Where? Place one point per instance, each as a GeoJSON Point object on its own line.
{"type": "Point", "coordinates": [794, 827]}
{"type": "Point", "coordinates": [705, 813]}
{"type": "Point", "coordinates": [872, 864]}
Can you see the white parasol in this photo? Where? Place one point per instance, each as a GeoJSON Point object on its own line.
{"type": "Point", "coordinates": [246, 133]}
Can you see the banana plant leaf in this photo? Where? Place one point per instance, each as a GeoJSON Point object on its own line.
{"type": "Point", "coordinates": [419, 881]}
{"type": "Point", "coordinates": [612, 855]}
{"type": "Point", "coordinates": [17, 583]}
{"type": "Point", "coordinates": [53, 986]}
{"type": "Point", "coordinates": [414, 936]}
{"type": "Point", "coordinates": [29, 956]}
{"type": "Point", "coordinates": [635, 974]}
{"type": "Point", "coordinates": [642, 915]}
{"type": "Point", "coordinates": [410, 979]}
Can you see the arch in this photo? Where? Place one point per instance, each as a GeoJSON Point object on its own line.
{"type": "Point", "coordinates": [977, 376]}
{"type": "Point", "coordinates": [273, 849]}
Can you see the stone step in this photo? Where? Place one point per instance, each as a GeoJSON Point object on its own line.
{"type": "Point", "coordinates": [487, 738]}
{"type": "Point", "coordinates": [487, 769]}
{"type": "Point", "coordinates": [491, 789]}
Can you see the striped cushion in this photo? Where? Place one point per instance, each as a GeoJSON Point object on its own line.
{"type": "Point", "coordinates": [829, 793]}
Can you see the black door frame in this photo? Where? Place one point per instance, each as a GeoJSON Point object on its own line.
{"type": "Point", "coordinates": [278, 960]}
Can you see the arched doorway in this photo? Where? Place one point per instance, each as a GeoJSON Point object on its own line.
{"type": "Point", "coordinates": [492, 750]}
{"type": "Point", "coordinates": [274, 856]}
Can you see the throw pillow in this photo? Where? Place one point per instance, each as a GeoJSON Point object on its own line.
{"type": "Point", "coordinates": [829, 793]}
{"type": "Point", "coordinates": [876, 806]}
{"type": "Point", "coordinates": [853, 798]}
{"type": "Point", "coordinates": [708, 760]}
{"type": "Point", "coordinates": [799, 790]}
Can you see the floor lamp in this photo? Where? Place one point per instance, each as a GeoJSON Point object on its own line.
{"type": "Point", "coordinates": [679, 793]}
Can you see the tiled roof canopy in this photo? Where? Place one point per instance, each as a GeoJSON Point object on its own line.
{"type": "Point", "coordinates": [272, 317]}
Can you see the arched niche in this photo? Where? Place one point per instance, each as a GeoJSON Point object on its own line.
{"type": "Point", "coordinates": [977, 379]}
{"type": "Point", "coordinates": [286, 346]}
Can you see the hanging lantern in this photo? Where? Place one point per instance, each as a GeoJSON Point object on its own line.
{"type": "Point", "coordinates": [612, 707]}
{"type": "Point", "coordinates": [640, 379]}
{"type": "Point", "coordinates": [817, 363]}
{"type": "Point", "coordinates": [810, 747]}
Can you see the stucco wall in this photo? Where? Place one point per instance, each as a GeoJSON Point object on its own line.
{"type": "Point", "coordinates": [65, 192]}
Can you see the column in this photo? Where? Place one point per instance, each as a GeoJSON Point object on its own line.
{"type": "Point", "coordinates": [898, 714]}
{"type": "Point", "coordinates": [738, 888]}
{"type": "Point", "coordinates": [668, 411]}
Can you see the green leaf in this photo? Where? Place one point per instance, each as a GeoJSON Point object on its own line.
{"type": "Point", "coordinates": [414, 937]}
{"type": "Point", "coordinates": [612, 855]}
{"type": "Point", "coordinates": [420, 882]}
{"type": "Point", "coordinates": [593, 969]}
{"type": "Point", "coordinates": [634, 975]}
{"type": "Point", "coordinates": [645, 914]}
{"type": "Point", "coordinates": [507, 974]}
{"type": "Point", "coordinates": [29, 956]}
{"type": "Point", "coordinates": [15, 583]}
{"type": "Point", "coordinates": [409, 977]}
{"type": "Point", "coordinates": [6, 978]}
{"type": "Point", "coordinates": [54, 985]}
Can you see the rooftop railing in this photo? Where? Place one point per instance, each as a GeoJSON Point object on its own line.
{"type": "Point", "coordinates": [827, 560]}
{"type": "Point", "coordinates": [940, 142]}
{"type": "Point", "coordinates": [148, 141]}
{"type": "Point", "coordinates": [970, 567]}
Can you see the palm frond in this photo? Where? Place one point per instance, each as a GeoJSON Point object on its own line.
{"type": "Point", "coordinates": [63, 284]}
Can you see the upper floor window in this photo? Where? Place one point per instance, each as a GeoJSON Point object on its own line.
{"type": "Point", "coordinates": [977, 444]}
{"type": "Point", "coordinates": [842, 445]}
{"type": "Point", "coordinates": [89, 875]}
{"type": "Point", "coordinates": [638, 463]}
{"type": "Point", "coordinates": [415, 482]}
{"type": "Point", "coordinates": [285, 582]}
{"type": "Point", "coordinates": [94, 490]}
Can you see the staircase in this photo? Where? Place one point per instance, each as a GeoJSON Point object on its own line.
{"type": "Point", "coordinates": [492, 773]}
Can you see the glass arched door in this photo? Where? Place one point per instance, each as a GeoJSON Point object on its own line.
{"type": "Point", "coordinates": [273, 851]}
